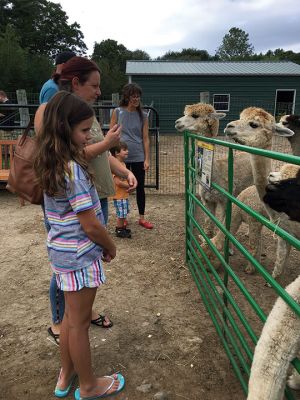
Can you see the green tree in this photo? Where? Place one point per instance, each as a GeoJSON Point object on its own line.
{"type": "Point", "coordinates": [282, 55]}
{"type": "Point", "coordinates": [235, 46]}
{"type": "Point", "coordinates": [109, 50]}
{"type": "Point", "coordinates": [139, 55]}
{"type": "Point", "coordinates": [19, 69]}
{"type": "Point", "coordinates": [42, 26]}
{"type": "Point", "coordinates": [190, 54]}
{"type": "Point", "coordinates": [12, 61]}
{"type": "Point", "coordinates": [111, 58]}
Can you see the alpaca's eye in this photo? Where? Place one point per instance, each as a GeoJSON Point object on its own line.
{"type": "Point", "coordinates": [253, 125]}
{"type": "Point", "coordinates": [284, 123]}
{"type": "Point", "coordinates": [194, 116]}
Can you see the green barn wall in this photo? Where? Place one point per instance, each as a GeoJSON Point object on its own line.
{"type": "Point", "coordinates": [170, 94]}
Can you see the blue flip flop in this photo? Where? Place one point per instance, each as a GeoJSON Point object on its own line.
{"type": "Point", "coordinates": [64, 392]}
{"type": "Point", "coordinates": [121, 380]}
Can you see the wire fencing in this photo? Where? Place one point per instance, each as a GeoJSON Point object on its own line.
{"type": "Point", "coordinates": [171, 146]}
{"type": "Point", "coordinates": [171, 161]}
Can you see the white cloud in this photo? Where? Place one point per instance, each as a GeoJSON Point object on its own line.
{"type": "Point", "coordinates": [162, 25]}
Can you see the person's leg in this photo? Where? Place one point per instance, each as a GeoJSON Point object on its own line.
{"type": "Point", "coordinates": [57, 300]}
{"type": "Point", "coordinates": [120, 222]}
{"type": "Point", "coordinates": [121, 212]}
{"type": "Point", "coordinates": [75, 346]}
{"type": "Point", "coordinates": [74, 341]}
{"type": "Point", "coordinates": [137, 169]}
{"type": "Point", "coordinates": [57, 303]}
{"type": "Point", "coordinates": [98, 319]}
{"type": "Point", "coordinates": [139, 172]}
{"type": "Point", "coordinates": [104, 206]}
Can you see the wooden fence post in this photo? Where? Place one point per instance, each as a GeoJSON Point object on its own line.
{"type": "Point", "coordinates": [204, 97]}
{"type": "Point", "coordinates": [115, 99]}
{"type": "Point", "coordinates": [24, 112]}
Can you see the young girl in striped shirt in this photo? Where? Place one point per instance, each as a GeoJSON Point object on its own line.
{"type": "Point", "coordinates": [77, 240]}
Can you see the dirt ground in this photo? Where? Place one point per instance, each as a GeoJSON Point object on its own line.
{"type": "Point", "coordinates": [162, 340]}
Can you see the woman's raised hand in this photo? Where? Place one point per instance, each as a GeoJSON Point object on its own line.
{"type": "Point", "coordinates": [113, 136]}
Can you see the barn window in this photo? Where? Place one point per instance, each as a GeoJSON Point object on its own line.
{"type": "Point", "coordinates": [285, 102]}
{"type": "Point", "coordinates": [221, 102]}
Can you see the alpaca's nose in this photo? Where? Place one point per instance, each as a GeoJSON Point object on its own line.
{"type": "Point", "coordinates": [228, 130]}
{"type": "Point", "coordinates": [178, 124]}
{"type": "Point", "coordinates": [228, 126]}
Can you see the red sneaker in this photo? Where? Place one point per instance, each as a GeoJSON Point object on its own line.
{"type": "Point", "coordinates": [146, 224]}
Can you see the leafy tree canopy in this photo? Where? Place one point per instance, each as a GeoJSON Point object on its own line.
{"type": "Point", "coordinates": [186, 54]}
{"type": "Point", "coordinates": [111, 58]}
{"type": "Point", "coordinates": [42, 26]}
{"type": "Point", "coordinates": [235, 46]}
{"type": "Point", "coordinates": [19, 69]}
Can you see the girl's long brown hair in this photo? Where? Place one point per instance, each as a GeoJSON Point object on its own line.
{"type": "Point", "coordinates": [55, 146]}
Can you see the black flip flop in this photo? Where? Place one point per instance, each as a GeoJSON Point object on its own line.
{"type": "Point", "coordinates": [55, 336]}
{"type": "Point", "coordinates": [100, 322]}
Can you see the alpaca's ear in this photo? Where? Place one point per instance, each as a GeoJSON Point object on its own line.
{"type": "Point", "coordinates": [216, 115]}
{"type": "Point", "coordinates": [283, 131]}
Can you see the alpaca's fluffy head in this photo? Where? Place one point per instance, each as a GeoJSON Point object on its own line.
{"type": "Point", "coordinates": [200, 118]}
{"type": "Point", "coordinates": [255, 128]}
{"type": "Point", "coordinates": [287, 171]}
{"type": "Point", "coordinates": [291, 121]}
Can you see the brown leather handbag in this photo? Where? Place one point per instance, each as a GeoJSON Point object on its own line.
{"type": "Point", "coordinates": [22, 178]}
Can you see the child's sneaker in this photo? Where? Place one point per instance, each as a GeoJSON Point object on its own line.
{"type": "Point", "coordinates": [123, 233]}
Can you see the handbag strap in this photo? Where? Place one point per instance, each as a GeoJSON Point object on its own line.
{"type": "Point", "coordinates": [27, 130]}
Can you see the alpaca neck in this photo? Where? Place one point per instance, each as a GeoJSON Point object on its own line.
{"type": "Point", "coordinates": [261, 167]}
{"type": "Point", "coordinates": [295, 147]}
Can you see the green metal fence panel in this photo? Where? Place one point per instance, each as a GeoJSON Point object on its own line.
{"type": "Point", "coordinates": [224, 294]}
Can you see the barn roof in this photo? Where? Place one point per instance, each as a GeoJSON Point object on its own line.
{"type": "Point", "coordinates": [212, 68]}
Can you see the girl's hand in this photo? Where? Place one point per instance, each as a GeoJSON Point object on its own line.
{"type": "Point", "coordinates": [146, 165]}
{"type": "Point", "coordinates": [106, 257]}
{"type": "Point", "coordinates": [112, 138]}
{"type": "Point", "coordinates": [109, 255]}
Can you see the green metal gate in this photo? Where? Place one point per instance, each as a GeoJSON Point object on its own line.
{"type": "Point", "coordinates": [223, 295]}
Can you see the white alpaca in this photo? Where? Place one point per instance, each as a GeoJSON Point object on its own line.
{"type": "Point", "coordinates": [255, 128]}
{"type": "Point", "coordinates": [277, 346]}
{"type": "Point", "coordinates": [250, 198]}
{"type": "Point", "coordinates": [203, 119]}
{"type": "Point", "coordinates": [287, 171]}
{"type": "Point", "coordinates": [200, 118]}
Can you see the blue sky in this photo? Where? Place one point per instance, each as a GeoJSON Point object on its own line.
{"type": "Point", "coordinates": [162, 25]}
